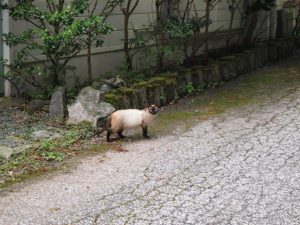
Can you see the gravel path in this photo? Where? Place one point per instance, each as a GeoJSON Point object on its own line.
{"type": "Point", "coordinates": [9, 128]}
{"type": "Point", "coordinates": [15, 124]}
{"type": "Point", "coordinates": [239, 168]}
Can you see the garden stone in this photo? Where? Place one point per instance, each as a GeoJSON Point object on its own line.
{"type": "Point", "coordinates": [258, 58]}
{"type": "Point", "coordinates": [35, 105]}
{"type": "Point", "coordinates": [58, 104]}
{"type": "Point", "coordinates": [89, 94]}
{"type": "Point", "coordinates": [216, 73]}
{"type": "Point", "coordinates": [225, 74]}
{"type": "Point", "coordinates": [105, 88]}
{"type": "Point", "coordinates": [5, 152]}
{"type": "Point", "coordinates": [187, 73]}
{"type": "Point", "coordinates": [264, 52]}
{"type": "Point", "coordinates": [126, 103]}
{"type": "Point", "coordinates": [55, 136]}
{"type": "Point", "coordinates": [116, 82]}
{"type": "Point", "coordinates": [21, 148]}
{"type": "Point", "coordinates": [207, 76]}
{"type": "Point", "coordinates": [272, 54]}
{"type": "Point", "coordinates": [88, 108]}
{"type": "Point", "coordinates": [246, 61]}
{"type": "Point", "coordinates": [96, 85]}
{"type": "Point", "coordinates": [44, 134]}
{"type": "Point", "coordinates": [85, 111]}
{"type": "Point", "coordinates": [252, 59]}
{"type": "Point", "coordinates": [170, 93]}
{"type": "Point", "coordinates": [40, 134]}
{"type": "Point", "coordinates": [142, 97]}
{"type": "Point", "coordinates": [197, 71]}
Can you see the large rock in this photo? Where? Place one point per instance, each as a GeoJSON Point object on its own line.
{"type": "Point", "coordinates": [58, 104]}
{"type": "Point", "coordinates": [6, 152]}
{"type": "Point", "coordinates": [35, 105]}
{"type": "Point", "coordinates": [105, 88]}
{"type": "Point", "coordinates": [96, 85]}
{"type": "Point", "coordinates": [89, 94]}
{"type": "Point", "coordinates": [45, 134]}
{"type": "Point", "coordinates": [89, 108]}
{"type": "Point", "coordinates": [115, 82]}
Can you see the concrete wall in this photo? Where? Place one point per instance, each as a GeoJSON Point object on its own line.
{"type": "Point", "coordinates": [110, 55]}
{"type": "Point", "coordinates": [220, 16]}
{"type": "Point", "coordinates": [279, 3]}
{"type": "Point", "coordinates": [107, 57]}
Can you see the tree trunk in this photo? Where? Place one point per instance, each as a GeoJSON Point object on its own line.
{"type": "Point", "coordinates": [207, 16]}
{"type": "Point", "coordinates": [126, 43]}
{"type": "Point", "coordinates": [230, 27]}
{"type": "Point", "coordinates": [250, 28]}
{"type": "Point", "coordinates": [89, 59]}
{"type": "Point", "coordinates": [54, 72]}
{"type": "Point", "coordinates": [158, 36]}
{"type": "Point", "coordinates": [55, 68]}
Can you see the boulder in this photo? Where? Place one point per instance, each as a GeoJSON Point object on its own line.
{"type": "Point", "coordinates": [116, 82]}
{"type": "Point", "coordinates": [58, 104]}
{"type": "Point", "coordinates": [96, 85]}
{"type": "Point", "coordinates": [45, 134]}
{"type": "Point", "coordinates": [88, 107]}
{"type": "Point", "coordinates": [21, 148]}
{"type": "Point", "coordinates": [6, 152]}
{"type": "Point", "coordinates": [89, 94]}
{"type": "Point", "coordinates": [105, 88]}
{"type": "Point", "coordinates": [35, 105]}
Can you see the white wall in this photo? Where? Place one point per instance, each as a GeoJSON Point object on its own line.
{"type": "Point", "coordinates": [279, 3]}
{"type": "Point", "coordinates": [110, 55]}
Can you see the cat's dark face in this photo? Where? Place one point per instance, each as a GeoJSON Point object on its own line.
{"type": "Point", "coordinates": [153, 109]}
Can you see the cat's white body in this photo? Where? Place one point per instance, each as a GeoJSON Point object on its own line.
{"type": "Point", "coordinates": [129, 118]}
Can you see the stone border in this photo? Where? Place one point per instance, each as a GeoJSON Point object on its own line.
{"type": "Point", "coordinates": [167, 87]}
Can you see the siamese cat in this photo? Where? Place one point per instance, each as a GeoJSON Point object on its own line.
{"type": "Point", "coordinates": [129, 118]}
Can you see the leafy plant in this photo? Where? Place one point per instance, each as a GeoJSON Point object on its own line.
{"type": "Point", "coordinates": [58, 34]}
{"type": "Point", "coordinates": [72, 93]}
{"type": "Point", "coordinates": [178, 29]}
{"type": "Point", "coordinates": [127, 8]}
{"type": "Point", "coordinates": [70, 138]}
{"type": "Point", "coordinates": [190, 90]}
{"type": "Point", "coordinates": [47, 145]}
{"type": "Point", "coordinates": [52, 155]}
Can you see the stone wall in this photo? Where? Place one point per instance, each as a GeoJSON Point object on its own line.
{"type": "Point", "coordinates": [167, 87]}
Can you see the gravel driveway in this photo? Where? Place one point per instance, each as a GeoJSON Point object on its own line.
{"type": "Point", "coordinates": [240, 168]}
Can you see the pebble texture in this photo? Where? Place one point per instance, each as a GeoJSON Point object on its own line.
{"type": "Point", "coordinates": [239, 168]}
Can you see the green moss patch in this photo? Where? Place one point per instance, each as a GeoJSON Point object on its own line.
{"type": "Point", "coordinates": [250, 88]}
{"type": "Point", "coordinates": [115, 97]}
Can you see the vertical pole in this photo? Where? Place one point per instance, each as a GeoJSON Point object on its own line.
{"type": "Point", "coordinates": [1, 55]}
{"type": "Point", "coordinates": [273, 23]}
{"type": "Point", "coordinates": [6, 50]}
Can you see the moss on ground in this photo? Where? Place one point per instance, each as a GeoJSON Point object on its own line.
{"type": "Point", "coordinates": [254, 87]}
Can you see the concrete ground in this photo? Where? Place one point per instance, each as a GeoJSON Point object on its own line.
{"type": "Point", "coordinates": [242, 167]}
